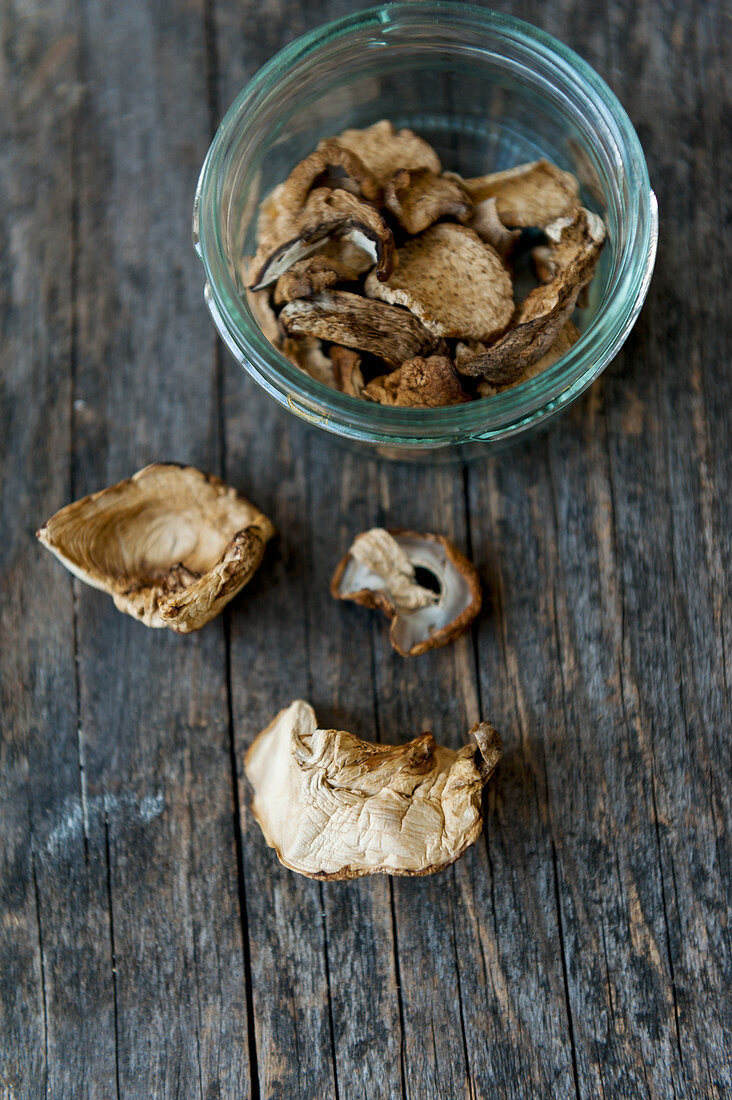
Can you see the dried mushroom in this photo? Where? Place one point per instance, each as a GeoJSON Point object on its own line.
{"type": "Point", "coordinates": [566, 339]}
{"type": "Point", "coordinates": [385, 150]}
{"type": "Point", "coordinates": [330, 164]}
{"type": "Point", "coordinates": [489, 227]}
{"type": "Point", "coordinates": [418, 197]}
{"type": "Point", "coordinates": [335, 807]}
{"type": "Point", "coordinates": [575, 248]}
{"type": "Point", "coordinates": [528, 195]}
{"type": "Point", "coordinates": [452, 281]}
{"type": "Point", "coordinates": [306, 352]}
{"type": "Point", "coordinates": [483, 279]}
{"type": "Point", "coordinates": [327, 213]}
{"type": "Point", "coordinates": [347, 370]}
{"type": "Point", "coordinates": [392, 334]}
{"type": "Point", "coordinates": [170, 545]}
{"type": "Point", "coordinates": [422, 383]}
{"type": "Point", "coordinates": [379, 571]}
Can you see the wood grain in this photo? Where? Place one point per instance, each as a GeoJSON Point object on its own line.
{"type": "Point", "coordinates": [150, 943]}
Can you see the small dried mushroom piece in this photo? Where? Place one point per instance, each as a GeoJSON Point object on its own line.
{"type": "Point", "coordinates": [385, 150]}
{"type": "Point", "coordinates": [347, 370]}
{"type": "Point", "coordinates": [418, 197]}
{"type": "Point", "coordinates": [392, 334]}
{"type": "Point", "coordinates": [452, 281]}
{"type": "Point", "coordinates": [331, 163]}
{"type": "Point", "coordinates": [334, 262]}
{"type": "Point", "coordinates": [335, 807]}
{"type": "Point", "coordinates": [489, 227]}
{"type": "Point", "coordinates": [170, 545]}
{"type": "Point", "coordinates": [531, 194]}
{"type": "Point", "coordinates": [306, 352]}
{"type": "Point", "coordinates": [427, 383]}
{"type": "Point", "coordinates": [566, 339]}
{"type": "Point", "coordinates": [327, 213]}
{"type": "Point", "coordinates": [379, 572]}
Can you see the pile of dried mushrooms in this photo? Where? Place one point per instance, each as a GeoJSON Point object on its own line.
{"type": "Point", "coordinates": [386, 278]}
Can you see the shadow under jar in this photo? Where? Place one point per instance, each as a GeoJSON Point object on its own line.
{"type": "Point", "coordinates": [488, 92]}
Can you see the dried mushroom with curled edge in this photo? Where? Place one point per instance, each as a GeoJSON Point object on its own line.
{"type": "Point", "coordinates": [171, 545]}
{"type": "Point", "coordinates": [416, 273]}
{"type": "Point", "coordinates": [380, 571]}
{"type": "Point", "coordinates": [335, 807]}
{"type": "Point", "coordinates": [420, 383]}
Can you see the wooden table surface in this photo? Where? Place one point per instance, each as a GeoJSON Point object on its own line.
{"type": "Point", "coordinates": [150, 944]}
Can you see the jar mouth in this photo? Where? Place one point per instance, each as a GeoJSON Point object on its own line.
{"type": "Point", "coordinates": [505, 414]}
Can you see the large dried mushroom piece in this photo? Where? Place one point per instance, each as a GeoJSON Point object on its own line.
{"type": "Point", "coordinates": [390, 333]}
{"type": "Point", "coordinates": [335, 807]}
{"type": "Point", "coordinates": [529, 195]}
{"type": "Point", "coordinates": [454, 282]}
{"type": "Point", "coordinates": [170, 545]}
{"type": "Point", "coordinates": [380, 571]}
{"type": "Point", "coordinates": [381, 275]}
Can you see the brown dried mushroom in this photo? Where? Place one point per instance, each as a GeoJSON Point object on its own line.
{"type": "Point", "coordinates": [528, 195]}
{"type": "Point", "coordinates": [327, 213]}
{"type": "Point", "coordinates": [418, 197]}
{"type": "Point", "coordinates": [452, 281]}
{"type": "Point", "coordinates": [454, 294]}
{"type": "Point", "coordinates": [385, 150]}
{"type": "Point", "coordinates": [575, 245]}
{"type": "Point", "coordinates": [422, 383]}
{"type": "Point", "coordinates": [170, 545]}
{"type": "Point", "coordinates": [379, 572]}
{"type": "Point", "coordinates": [335, 807]}
{"type": "Point", "coordinates": [567, 338]}
{"type": "Point", "coordinates": [392, 334]}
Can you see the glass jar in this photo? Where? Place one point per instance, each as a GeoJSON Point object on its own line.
{"type": "Point", "coordinates": [488, 91]}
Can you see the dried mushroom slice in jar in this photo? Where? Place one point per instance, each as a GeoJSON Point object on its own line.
{"type": "Point", "coordinates": [421, 383]}
{"type": "Point", "coordinates": [575, 245]}
{"type": "Point", "coordinates": [418, 197]}
{"type": "Point", "coordinates": [528, 195]}
{"type": "Point", "coordinates": [171, 545]}
{"type": "Point", "coordinates": [307, 353]}
{"type": "Point", "coordinates": [385, 150]}
{"type": "Point", "coordinates": [485, 222]}
{"type": "Point", "coordinates": [334, 262]}
{"type": "Point", "coordinates": [380, 571]}
{"type": "Point", "coordinates": [347, 370]}
{"type": "Point", "coordinates": [567, 338]}
{"type": "Point", "coordinates": [327, 213]}
{"type": "Point", "coordinates": [335, 807]}
{"type": "Point", "coordinates": [391, 334]}
{"type": "Point", "coordinates": [452, 281]}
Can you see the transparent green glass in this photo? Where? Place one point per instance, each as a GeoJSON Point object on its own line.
{"type": "Point", "coordinates": [488, 91]}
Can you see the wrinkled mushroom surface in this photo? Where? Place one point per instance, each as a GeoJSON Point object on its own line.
{"type": "Point", "coordinates": [170, 545]}
{"type": "Point", "coordinates": [531, 194]}
{"type": "Point", "coordinates": [379, 572]}
{"type": "Point", "coordinates": [385, 150]}
{"type": "Point", "coordinates": [575, 245]}
{"type": "Point", "coordinates": [419, 197]}
{"type": "Point", "coordinates": [454, 282]}
{"type": "Point", "coordinates": [392, 334]}
{"type": "Point", "coordinates": [421, 383]}
{"type": "Point", "coordinates": [335, 807]}
{"type": "Point", "coordinates": [567, 338]}
{"type": "Point", "coordinates": [327, 213]}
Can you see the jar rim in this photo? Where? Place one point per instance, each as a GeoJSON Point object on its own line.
{"type": "Point", "coordinates": [502, 415]}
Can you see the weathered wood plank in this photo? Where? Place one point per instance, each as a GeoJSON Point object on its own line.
{"type": "Point", "coordinates": [56, 992]}
{"type": "Point", "coordinates": [153, 706]}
